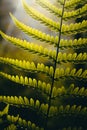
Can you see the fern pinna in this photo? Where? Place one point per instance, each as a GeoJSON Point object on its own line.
{"type": "Point", "coordinates": [62, 104]}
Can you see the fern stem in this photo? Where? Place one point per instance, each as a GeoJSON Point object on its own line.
{"type": "Point", "coordinates": [55, 64]}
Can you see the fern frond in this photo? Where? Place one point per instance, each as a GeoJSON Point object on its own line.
{"type": "Point", "coordinates": [22, 122]}
{"type": "Point", "coordinates": [28, 82]}
{"type": "Point", "coordinates": [27, 66]}
{"type": "Point", "coordinates": [58, 12]}
{"type": "Point", "coordinates": [61, 2]}
{"type": "Point", "coordinates": [68, 110]}
{"type": "Point", "coordinates": [76, 13]}
{"type": "Point", "coordinates": [80, 43]}
{"type": "Point", "coordinates": [30, 46]}
{"type": "Point", "coordinates": [53, 110]}
{"type": "Point", "coordinates": [52, 107]}
{"type": "Point", "coordinates": [18, 101]}
{"type": "Point", "coordinates": [73, 3]}
{"type": "Point", "coordinates": [76, 91]}
{"type": "Point", "coordinates": [35, 33]}
{"type": "Point", "coordinates": [5, 111]}
{"type": "Point", "coordinates": [50, 53]}
{"type": "Point", "coordinates": [74, 58]}
{"type": "Point", "coordinates": [72, 128]}
{"type": "Point", "coordinates": [74, 28]}
{"type": "Point", "coordinates": [66, 29]}
{"type": "Point", "coordinates": [57, 92]}
{"type": "Point", "coordinates": [71, 91]}
{"type": "Point", "coordinates": [61, 73]}
{"type": "Point", "coordinates": [76, 43]}
{"type": "Point", "coordinates": [25, 103]}
{"type": "Point", "coordinates": [11, 127]}
{"type": "Point", "coordinates": [50, 7]}
{"type": "Point", "coordinates": [38, 16]}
